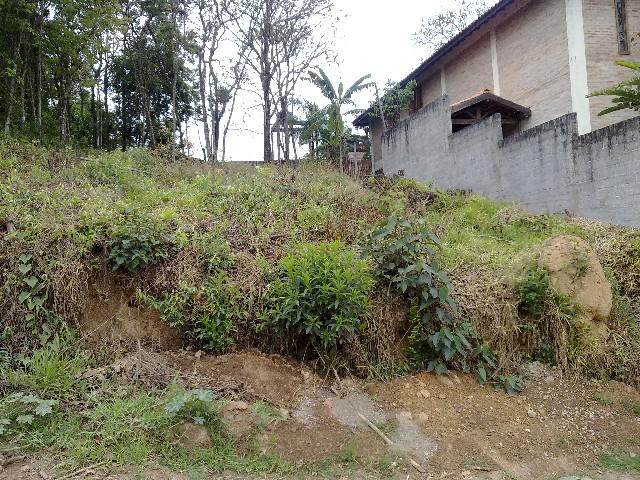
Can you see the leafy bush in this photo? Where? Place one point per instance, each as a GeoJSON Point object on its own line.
{"type": "Point", "coordinates": [192, 405]}
{"type": "Point", "coordinates": [205, 315]}
{"type": "Point", "coordinates": [136, 245]}
{"type": "Point", "coordinates": [321, 293]}
{"type": "Point", "coordinates": [533, 292]}
{"type": "Point", "coordinates": [20, 410]}
{"type": "Point", "coordinates": [626, 95]}
{"type": "Point", "coordinates": [404, 254]}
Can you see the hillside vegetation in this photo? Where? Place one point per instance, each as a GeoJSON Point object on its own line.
{"type": "Point", "coordinates": [374, 277]}
{"type": "Point", "coordinates": [214, 248]}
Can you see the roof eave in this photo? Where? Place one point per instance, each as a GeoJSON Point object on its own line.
{"type": "Point", "coordinates": [443, 51]}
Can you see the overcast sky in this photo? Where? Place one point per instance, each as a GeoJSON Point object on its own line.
{"type": "Point", "coordinates": [372, 36]}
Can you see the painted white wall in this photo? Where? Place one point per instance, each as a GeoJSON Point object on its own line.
{"type": "Point", "coordinates": [578, 65]}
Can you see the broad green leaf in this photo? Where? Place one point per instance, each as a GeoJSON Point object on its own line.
{"type": "Point", "coordinates": [24, 268]}
{"type": "Point", "coordinates": [23, 296]}
{"type": "Point", "coordinates": [25, 419]}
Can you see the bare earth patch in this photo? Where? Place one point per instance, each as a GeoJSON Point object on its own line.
{"type": "Point", "coordinates": [451, 426]}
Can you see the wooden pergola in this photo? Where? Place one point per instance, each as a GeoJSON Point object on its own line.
{"type": "Point", "coordinates": [484, 105]}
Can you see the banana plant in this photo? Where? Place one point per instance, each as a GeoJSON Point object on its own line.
{"type": "Point", "coordinates": [328, 122]}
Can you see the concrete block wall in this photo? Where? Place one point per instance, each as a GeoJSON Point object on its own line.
{"type": "Point", "coordinates": [546, 169]}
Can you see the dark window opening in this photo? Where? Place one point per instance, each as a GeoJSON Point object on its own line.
{"type": "Point", "coordinates": [416, 103]}
{"type": "Point", "coordinates": [621, 27]}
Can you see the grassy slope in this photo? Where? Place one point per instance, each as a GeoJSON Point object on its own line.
{"type": "Point", "coordinates": [67, 207]}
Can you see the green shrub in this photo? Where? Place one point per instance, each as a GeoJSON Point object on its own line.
{"type": "Point", "coordinates": [136, 245]}
{"type": "Point", "coordinates": [405, 256]}
{"type": "Point", "coordinates": [321, 294]}
{"type": "Point", "coordinates": [205, 315]}
{"type": "Point", "coordinates": [533, 292]}
{"type": "Point", "coordinates": [19, 411]}
{"type": "Point", "coordinates": [195, 406]}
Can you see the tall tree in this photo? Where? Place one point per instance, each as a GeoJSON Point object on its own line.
{"type": "Point", "coordinates": [219, 75]}
{"type": "Point", "coordinates": [266, 32]}
{"type": "Point", "coordinates": [436, 30]}
{"type": "Point", "coordinates": [150, 75]}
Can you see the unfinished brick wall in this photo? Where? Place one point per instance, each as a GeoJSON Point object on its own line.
{"type": "Point", "coordinates": [533, 60]}
{"type": "Point", "coordinates": [470, 72]}
{"type": "Point", "coordinates": [602, 51]}
{"type": "Point", "coordinates": [547, 169]}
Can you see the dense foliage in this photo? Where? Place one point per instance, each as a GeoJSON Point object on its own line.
{"type": "Point", "coordinates": [131, 73]}
{"type": "Point", "coordinates": [395, 100]}
{"type": "Point", "coordinates": [626, 95]}
{"type": "Point", "coordinates": [321, 294]}
{"type": "Point", "coordinates": [405, 254]}
{"type": "Point", "coordinates": [325, 128]}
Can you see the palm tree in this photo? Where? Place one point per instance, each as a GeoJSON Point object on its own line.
{"type": "Point", "coordinates": [329, 120]}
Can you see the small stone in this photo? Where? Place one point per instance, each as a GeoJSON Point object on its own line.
{"type": "Point", "coordinates": [528, 430]}
{"type": "Point", "coordinates": [284, 413]}
{"type": "Point", "coordinates": [237, 405]}
{"type": "Point", "coordinates": [531, 413]}
{"type": "Point", "coordinates": [424, 393]}
{"type": "Point", "coordinates": [442, 396]}
{"type": "Point", "coordinates": [423, 417]}
{"type": "Point", "coordinates": [193, 437]}
{"type": "Point", "coordinates": [445, 380]}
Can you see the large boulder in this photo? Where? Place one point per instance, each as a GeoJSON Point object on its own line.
{"type": "Point", "coordinates": [575, 272]}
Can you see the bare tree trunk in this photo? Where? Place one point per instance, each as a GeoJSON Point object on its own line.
{"type": "Point", "coordinates": [12, 87]}
{"type": "Point", "coordinates": [285, 126]}
{"type": "Point", "coordinates": [265, 79]}
{"type": "Point", "coordinates": [295, 150]}
{"type": "Point", "coordinates": [266, 118]}
{"type": "Point", "coordinates": [203, 103]}
{"type": "Point", "coordinates": [94, 116]}
{"type": "Point", "coordinates": [148, 121]}
{"type": "Point", "coordinates": [106, 136]}
{"type": "Point", "coordinates": [226, 127]}
{"type": "Point", "coordinates": [23, 113]}
{"type": "Point", "coordinates": [39, 72]}
{"type": "Point", "coordinates": [174, 84]}
{"type": "Point", "coordinates": [32, 88]}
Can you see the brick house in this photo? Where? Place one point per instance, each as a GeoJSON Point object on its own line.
{"type": "Point", "coordinates": [531, 61]}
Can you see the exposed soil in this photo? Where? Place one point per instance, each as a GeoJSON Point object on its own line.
{"type": "Point", "coordinates": [112, 317]}
{"type": "Point", "coordinates": [451, 426]}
